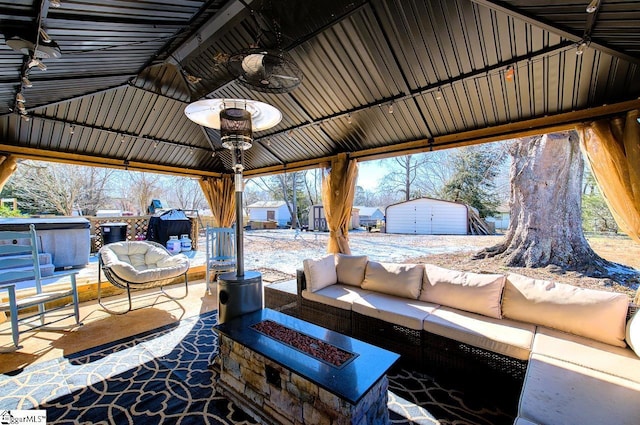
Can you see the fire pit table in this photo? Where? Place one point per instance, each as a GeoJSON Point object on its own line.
{"type": "Point", "coordinates": [280, 369]}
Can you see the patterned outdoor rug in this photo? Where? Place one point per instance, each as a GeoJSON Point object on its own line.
{"type": "Point", "coordinates": [163, 377]}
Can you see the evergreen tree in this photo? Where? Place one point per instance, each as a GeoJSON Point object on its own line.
{"type": "Point", "coordinates": [473, 178]}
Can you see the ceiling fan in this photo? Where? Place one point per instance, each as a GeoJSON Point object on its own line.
{"type": "Point", "coordinates": [265, 70]}
{"type": "Point", "coordinates": [265, 66]}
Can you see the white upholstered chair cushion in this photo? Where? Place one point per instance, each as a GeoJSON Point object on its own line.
{"type": "Point", "coordinates": [474, 292]}
{"type": "Point", "coordinates": [600, 315]}
{"type": "Point", "coordinates": [320, 272]}
{"type": "Point", "coordinates": [142, 262]}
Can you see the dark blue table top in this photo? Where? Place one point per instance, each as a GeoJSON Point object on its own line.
{"type": "Point", "coordinates": [350, 381]}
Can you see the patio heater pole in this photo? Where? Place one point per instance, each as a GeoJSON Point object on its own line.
{"type": "Point", "coordinates": [239, 187]}
{"type": "Point", "coordinates": [239, 292]}
{"type": "Point", "coordinates": [236, 135]}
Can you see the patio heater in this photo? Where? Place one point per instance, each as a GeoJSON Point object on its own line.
{"type": "Point", "coordinates": [239, 292]}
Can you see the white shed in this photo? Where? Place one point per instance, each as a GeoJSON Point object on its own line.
{"type": "Point", "coordinates": [427, 216]}
{"type": "Point", "coordinates": [270, 211]}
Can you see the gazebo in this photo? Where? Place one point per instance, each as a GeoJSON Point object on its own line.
{"type": "Point", "coordinates": [106, 85]}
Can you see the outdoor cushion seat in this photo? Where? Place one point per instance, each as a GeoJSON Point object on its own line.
{"type": "Point", "coordinates": [621, 362]}
{"type": "Point", "coordinates": [503, 336]}
{"type": "Point", "coordinates": [136, 265]}
{"type": "Point", "coordinates": [392, 309]}
{"type": "Point", "coordinates": [340, 296]}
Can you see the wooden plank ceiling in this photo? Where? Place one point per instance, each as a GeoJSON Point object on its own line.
{"type": "Point", "coordinates": [380, 77]}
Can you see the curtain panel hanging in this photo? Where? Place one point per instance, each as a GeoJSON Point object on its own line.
{"type": "Point", "coordinates": [338, 191]}
{"type": "Point", "coordinates": [220, 194]}
{"type": "Point", "coordinates": [612, 147]}
{"type": "Point", "coordinates": [8, 166]}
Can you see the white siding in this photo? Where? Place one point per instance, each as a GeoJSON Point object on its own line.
{"type": "Point", "coordinates": [427, 217]}
{"type": "Point", "coordinates": [281, 214]}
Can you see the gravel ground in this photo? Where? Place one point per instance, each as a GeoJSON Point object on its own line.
{"type": "Point", "coordinates": [281, 252]}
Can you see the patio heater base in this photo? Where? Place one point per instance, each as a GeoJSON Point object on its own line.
{"type": "Point", "coordinates": [239, 295]}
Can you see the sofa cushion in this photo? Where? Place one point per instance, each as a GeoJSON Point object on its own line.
{"type": "Point", "coordinates": [507, 337]}
{"type": "Point", "coordinates": [320, 272]}
{"type": "Point", "coordinates": [474, 292]}
{"type": "Point", "coordinates": [618, 361]}
{"type": "Point", "coordinates": [633, 333]}
{"type": "Point", "coordinates": [340, 296]}
{"type": "Point", "coordinates": [397, 310]}
{"type": "Point", "coordinates": [350, 268]}
{"type": "Point", "coordinates": [402, 280]}
{"type": "Point", "coordinates": [559, 392]}
{"type": "Point", "coordinates": [599, 315]}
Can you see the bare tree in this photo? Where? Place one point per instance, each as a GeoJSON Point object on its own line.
{"type": "Point", "coordinates": [404, 174]}
{"type": "Point", "coordinates": [137, 189]}
{"type": "Point", "coordinates": [546, 224]}
{"type": "Point", "coordinates": [58, 188]}
{"type": "Point", "coordinates": [183, 192]}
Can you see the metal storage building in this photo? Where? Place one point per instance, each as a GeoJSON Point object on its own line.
{"type": "Point", "coordinates": [427, 216]}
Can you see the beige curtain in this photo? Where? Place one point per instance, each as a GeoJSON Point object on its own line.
{"type": "Point", "coordinates": [221, 196]}
{"type": "Point", "coordinates": [612, 147]}
{"type": "Point", "coordinates": [8, 165]}
{"type": "Point", "coordinates": [338, 190]}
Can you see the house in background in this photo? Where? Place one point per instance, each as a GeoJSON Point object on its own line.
{"type": "Point", "coordinates": [370, 217]}
{"type": "Point", "coordinates": [269, 212]}
{"type": "Point", "coordinates": [427, 216]}
{"type": "Point", "coordinates": [503, 217]}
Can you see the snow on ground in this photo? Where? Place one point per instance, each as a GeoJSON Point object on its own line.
{"type": "Point", "coordinates": [284, 250]}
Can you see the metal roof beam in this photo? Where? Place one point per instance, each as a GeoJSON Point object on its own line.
{"type": "Point", "coordinates": [230, 12]}
{"type": "Point", "coordinates": [548, 26]}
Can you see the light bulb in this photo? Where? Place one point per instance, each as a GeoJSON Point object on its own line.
{"type": "Point", "coordinates": [593, 6]}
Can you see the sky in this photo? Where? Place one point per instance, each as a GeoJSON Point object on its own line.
{"type": "Point", "coordinates": [370, 173]}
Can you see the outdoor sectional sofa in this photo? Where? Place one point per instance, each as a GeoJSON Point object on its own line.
{"type": "Point", "coordinates": [567, 352]}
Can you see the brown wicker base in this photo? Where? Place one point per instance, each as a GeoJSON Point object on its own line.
{"type": "Point", "coordinates": [392, 337]}
{"type": "Point", "coordinates": [444, 357]}
{"type": "Point", "coordinates": [333, 318]}
{"type": "Point", "coordinates": [279, 295]}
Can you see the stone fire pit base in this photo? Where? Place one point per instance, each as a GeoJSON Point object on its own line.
{"type": "Point", "coordinates": [272, 394]}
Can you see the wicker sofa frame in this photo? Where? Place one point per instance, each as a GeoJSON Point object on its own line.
{"type": "Point", "coordinates": [438, 356]}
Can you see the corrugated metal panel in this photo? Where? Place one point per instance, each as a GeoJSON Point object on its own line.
{"type": "Point", "coordinates": [440, 63]}
{"type": "Point", "coordinates": [427, 217]}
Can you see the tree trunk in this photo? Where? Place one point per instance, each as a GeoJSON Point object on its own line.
{"type": "Point", "coordinates": [546, 224]}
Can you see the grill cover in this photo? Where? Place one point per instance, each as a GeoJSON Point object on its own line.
{"type": "Point", "coordinates": [168, 223]}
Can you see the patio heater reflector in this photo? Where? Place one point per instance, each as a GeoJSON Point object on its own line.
{"type": "Point", "coordinates": [239, 292]}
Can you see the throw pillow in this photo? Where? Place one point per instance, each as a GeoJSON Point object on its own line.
{"type": "Point", "coordinates": [633, 333]}
{"type": "Point", "coordinates": [474, 292]}
{"type": "Point", "coordinates": [351, 268]}
{"type": "Point", "coordinates": [320, 272]}
{"type": "Point", "coordinates": [402, 280]}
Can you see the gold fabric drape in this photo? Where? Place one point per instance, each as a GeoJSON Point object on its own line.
{"type": "Point", "coordinates": [612, 147]}
{"type": "Point", "coordinates": [338, 190]}
{"type": "Point", "coordinates": [221, 196]}
{"type": "Point", "coordinates": [8, 166]}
